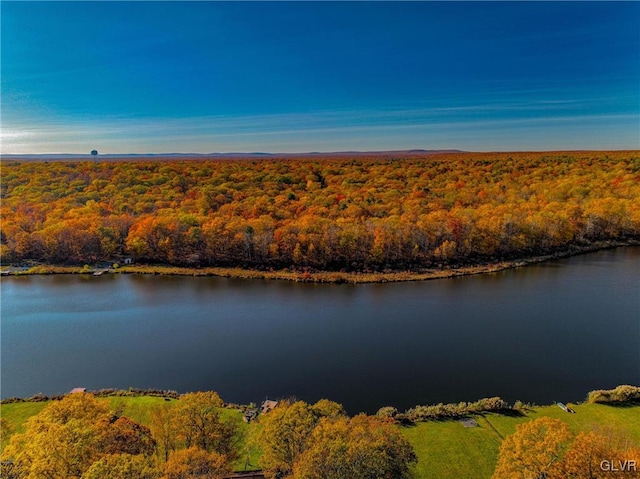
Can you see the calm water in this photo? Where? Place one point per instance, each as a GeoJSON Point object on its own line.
{"type": "Point", "coordinates": [541, 333]}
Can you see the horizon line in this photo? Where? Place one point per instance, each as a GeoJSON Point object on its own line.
{"type": "Point", "coordinates": [338, 152]}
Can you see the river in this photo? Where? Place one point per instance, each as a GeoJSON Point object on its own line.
{"type": "Point", "coordinates": [545, 332]}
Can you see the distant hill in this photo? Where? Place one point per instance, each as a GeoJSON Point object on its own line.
{"type": "Point", "coordinates": [151, 156]}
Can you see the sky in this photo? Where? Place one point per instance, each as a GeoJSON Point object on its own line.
{"type": "Point", "coordinates": [202, 77]}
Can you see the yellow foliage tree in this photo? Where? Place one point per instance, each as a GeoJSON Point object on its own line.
{"type": "Point", "coordinates": [534, 450]}
{"type": "Point", "coordinates": [359, 448]}
{"type": "Point", "coordinates": [195, 463]}
{"type": "Point", "coordinates": [121, 466]}
{"type": "Point", "coordinates": [164, 428]}
{"type": "Point", "coordinates": [62, 441]}
{"type": "Point", "coordinates": [326, 408]}
{"type": "Point", "coordinates": [284, 435]}
{"type": "Point", "coordinates": [201, 424]}
{"type": "Point", "coordinates": [598, 456]}
{"type": "Point", "coordinates": [69, 436]}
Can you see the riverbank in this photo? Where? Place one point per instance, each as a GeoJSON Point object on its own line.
{"type": "Point", "coordinates": [336, 277]}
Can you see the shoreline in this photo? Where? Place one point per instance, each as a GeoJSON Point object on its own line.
{"type": "Point", "coordinates": [623, 393]}
{"type": "Point", "coordinates": [329, 277]}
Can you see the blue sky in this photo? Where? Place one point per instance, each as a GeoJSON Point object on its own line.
{"type": "Point", "coordinates": [152, 77]}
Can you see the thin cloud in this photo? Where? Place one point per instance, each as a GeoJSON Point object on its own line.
{"type": "Point", "coordinates": [286, 134]}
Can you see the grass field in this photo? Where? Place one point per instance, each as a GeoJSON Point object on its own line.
{"type": "Point", "coordinates": [445, 449]}
{"type": "Point", "coordinates": [136, 408]}
{"type": "Point", "coordinates": [17, 413]}
{"type": "Point", "coordinates": [448, 450]}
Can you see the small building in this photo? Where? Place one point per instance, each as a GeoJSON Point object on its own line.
{"type": "Point", "coordinates": [78, 390]}
{"type": "Point", "coordinates": [267, 406]}
{"type": "Point", "coordinates": [127, 261]}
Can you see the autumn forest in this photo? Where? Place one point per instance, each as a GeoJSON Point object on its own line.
{"type": "Point", "coordinates": [378, 213]}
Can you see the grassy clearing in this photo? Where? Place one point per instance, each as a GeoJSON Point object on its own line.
{"type": "Point", "coordinates": [136, 408]}
{"type": "Point", "coordinates": [448, 450]}
{"type": "Point", "coordinates": [625, 420]}
{"type": "Point", "coordinates": [16, 414]}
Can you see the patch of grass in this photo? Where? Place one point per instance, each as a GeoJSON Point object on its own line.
{"type": "Point", "coordinates": [16, 414]}
{"type": "Point", "coordinates": [136, 408]}
{"type": "Point", "coordinates": [52, 269]}
{"type": "Point", "coordinates": [447, 450]}
{"type": "Point", "coordinates": [588, 417]}
{"type": "Point", "coordinates": [251, 449]}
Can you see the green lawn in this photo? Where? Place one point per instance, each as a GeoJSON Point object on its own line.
{"type": "Point", "coordinates": [16, 414]}
{"type": "Point", "coordinates": [136, 408]}
{"type": "Point", "coordinates": [448, 450]}
{"type": "Point", "coordinates": [445, 449]}
{"type": "Point", "coordinates": [598, 417]}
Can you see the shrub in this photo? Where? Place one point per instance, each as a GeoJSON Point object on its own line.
{"type": "Point", "coordinates": [450, 411]}
{"type": "Point", "coordinates": [623, 393]}
{"type": "Point", "coordinates": [521, 406]}
{"type": "Point", "coordinates": [492, 404]}
{"type": "Point", "coordinates": [387, 412]}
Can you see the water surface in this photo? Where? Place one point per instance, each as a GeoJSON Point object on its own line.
{"type": "Point", "coordinates": [546, 332]}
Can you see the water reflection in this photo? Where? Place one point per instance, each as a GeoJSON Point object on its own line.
{"type": "Point", "coordinates": [550, 331]}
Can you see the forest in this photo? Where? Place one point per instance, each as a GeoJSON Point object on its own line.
{"type": "Point", "coordinates": [358, 214]}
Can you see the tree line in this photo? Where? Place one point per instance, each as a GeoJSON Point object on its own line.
{"type": "Point", "coordinates": [329, 214]}
{"type": "Point", "coordinates": [79, 437]}
{"type": "Point", "coordinates": [196, 436]}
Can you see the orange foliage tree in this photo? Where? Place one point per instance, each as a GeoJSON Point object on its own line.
{"type": "Point", "coordinates": [418, 211]}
